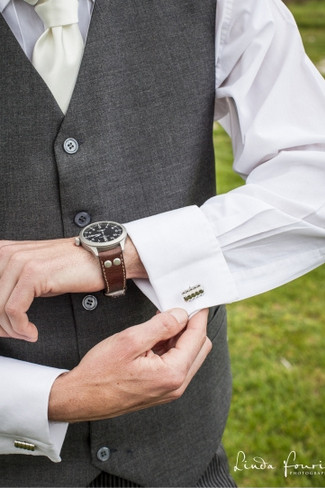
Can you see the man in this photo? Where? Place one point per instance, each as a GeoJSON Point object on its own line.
{"type": "Point", "coordinates": [134, 145]}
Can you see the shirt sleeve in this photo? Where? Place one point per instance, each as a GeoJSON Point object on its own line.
{"type": "Point", "coordinates": [271, 100]}
{"type": "Point", "coordinates": [24, 425]}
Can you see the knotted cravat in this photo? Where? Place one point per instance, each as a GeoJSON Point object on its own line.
{"type": "Point", "coordinates": [58, 52]}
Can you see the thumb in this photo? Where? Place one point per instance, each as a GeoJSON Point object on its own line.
{"type": "Point", "coordinates": [161, 327]}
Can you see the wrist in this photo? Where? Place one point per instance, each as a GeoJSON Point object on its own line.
{"type": "Point", "coordinates": [119, 260]}
{"type": "Point", "coordinates": [133, 264]}
{"type": "Point", "coordinates": [58, 400]}
{"type": "Point", "coordinates": [69, 399]}
{"type": "Point", "coordinates": [78, 397]}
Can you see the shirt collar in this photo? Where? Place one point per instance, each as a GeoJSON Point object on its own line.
{"type": "Point", "coordinates": [3, 4]}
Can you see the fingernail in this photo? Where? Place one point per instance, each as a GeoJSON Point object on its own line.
{"type": "Point", "coordinates": [180, 314]}
{"type": "Point", "coordinates": [31, 338]}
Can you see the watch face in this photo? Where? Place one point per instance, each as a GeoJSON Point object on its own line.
{"type": "Point", "coordinates": [103, 233]}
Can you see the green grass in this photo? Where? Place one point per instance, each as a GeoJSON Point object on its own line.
{"type": "Point", "coordinates": [310, 17]}
{"type": "Point", "coordinates": [277, 345]}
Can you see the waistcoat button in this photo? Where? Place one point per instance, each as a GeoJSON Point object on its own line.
{"type": "Point", "coordinates": [82, 219]}
{"type": "Point", "coordinates": [103, 454]}
{"type": "Point", "coordinates": [89, 302]}
{"type": "Point", "coordinates": [70, 145]}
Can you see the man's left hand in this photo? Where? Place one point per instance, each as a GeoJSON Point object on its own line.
{"type": "Point", "coordinates": [30, 269]}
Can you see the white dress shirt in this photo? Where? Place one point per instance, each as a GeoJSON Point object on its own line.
{"type": "Point", "coordinates": [271, 100]}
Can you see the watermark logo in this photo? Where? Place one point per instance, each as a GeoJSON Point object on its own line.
{"type": "Point", "coordinates": [291, 465]}
{"type": "Point", "coordinates": [293, 468]}
{"type": "Point", "coordinates": [256, 462]}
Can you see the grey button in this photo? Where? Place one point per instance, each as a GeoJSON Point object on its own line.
{"type": "Point", "coordinates": [82, 219]}
{"type": "Point", "coordinates": [103, 454]}
{"type": "Point", "coordinates": [89, 302]}
{"type": "Point", "coordinates": [70, 145]}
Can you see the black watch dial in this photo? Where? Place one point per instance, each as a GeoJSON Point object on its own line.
{"type": "Point", "coordinates": [101, 232]}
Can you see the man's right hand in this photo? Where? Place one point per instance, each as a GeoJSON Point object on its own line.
{"type": "Point", "coordinates": [140, 367]}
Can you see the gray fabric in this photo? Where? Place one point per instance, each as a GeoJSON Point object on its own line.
{"type": "Point", "coordinates": [142, 112]}
{"type": "Point", "coordinates": [216, 475]}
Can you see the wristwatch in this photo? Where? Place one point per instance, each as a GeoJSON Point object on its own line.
{"type": "Point", "coordinates": [106, 241]}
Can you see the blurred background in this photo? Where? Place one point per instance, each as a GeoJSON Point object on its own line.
{"type": "Point", "coordinates": [277, 344]}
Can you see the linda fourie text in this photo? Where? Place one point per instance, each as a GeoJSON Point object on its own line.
{"type": "Point", "coordinates": [256, 462]}
{"type": "Point", "coordinates": [294, 468]}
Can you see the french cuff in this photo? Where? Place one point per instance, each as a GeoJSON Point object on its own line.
{"type": "Point", "coordinates": [24, 426]}
{"type": "Point", "coordinates": [185, 265]}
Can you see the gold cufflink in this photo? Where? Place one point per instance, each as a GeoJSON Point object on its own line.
{"type": "Point", "coordinates": [24, 445]}
{"type": "Point", "coordinates": [192, 293]}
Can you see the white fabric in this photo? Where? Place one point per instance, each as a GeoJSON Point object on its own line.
{"type": "Point", "coordinates": [25, 388]}
{"type": "Point", "coordinates": [30, 384]}
{"type": "Point", "coordinates": [27, 27]}
{"type": "Point", "coordinates": [272, 102]}
{"type": "Point", "coordinates": [58, 52]}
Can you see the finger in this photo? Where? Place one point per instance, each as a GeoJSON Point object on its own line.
{"type": "Point", "coordinates": [200, 320]}
{"type": "Point", "coordinates": [13, 272]}
{"type": "Point", "coordinates": [143, 337]}
{"type": "Point", "coordinates": [16, 309]}
{"type": "Point", "coordinates": [184, 376]}
{"type": "Point", "coordinates": [8, 310]}
{"type": "Point", "coordinates": [3, 333]}
{"type": "Point", "coordinates": [189, 342]}
{"type": "Point", "coordinates": [163, 346]}
{"type": "Point", "coordinates": [22, 280]}
{"type": "Point", "coordinates": [15, 300]}
{"type": "Point", "coordinates": [197, 363]}
{"type": "Point", "coordinates": [7, 330]}
{"type": "Point", "coordinates": [18, 245]}
{"type": "Point", "coordinates": [7, 283]}
{"type": "Point", "coordinates": [172, 394]}
{"type": "Point", "coordinates": [20, 326]}
{"type": "Point", "coordinates": [9, 248]}
{"type": "Point", "coordinates": [24, 331]}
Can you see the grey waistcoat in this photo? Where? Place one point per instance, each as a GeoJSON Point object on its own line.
{"type": "Point", "coordinates": [142, 112]}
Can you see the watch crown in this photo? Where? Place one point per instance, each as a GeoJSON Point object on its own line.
{"type": "Point", "coordinates": [77, 241]}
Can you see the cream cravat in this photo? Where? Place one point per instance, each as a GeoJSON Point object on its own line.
{"type": "Point", "coordinates": [58, 52]}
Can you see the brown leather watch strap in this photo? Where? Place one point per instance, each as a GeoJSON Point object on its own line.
{"type": "Point", "coordinates": [113, 268]}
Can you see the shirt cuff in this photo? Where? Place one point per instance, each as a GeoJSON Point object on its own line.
{"type": "Point", "coordinates": [24, 426]}
{"type": "Point", "coordinates": [185, 265]}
